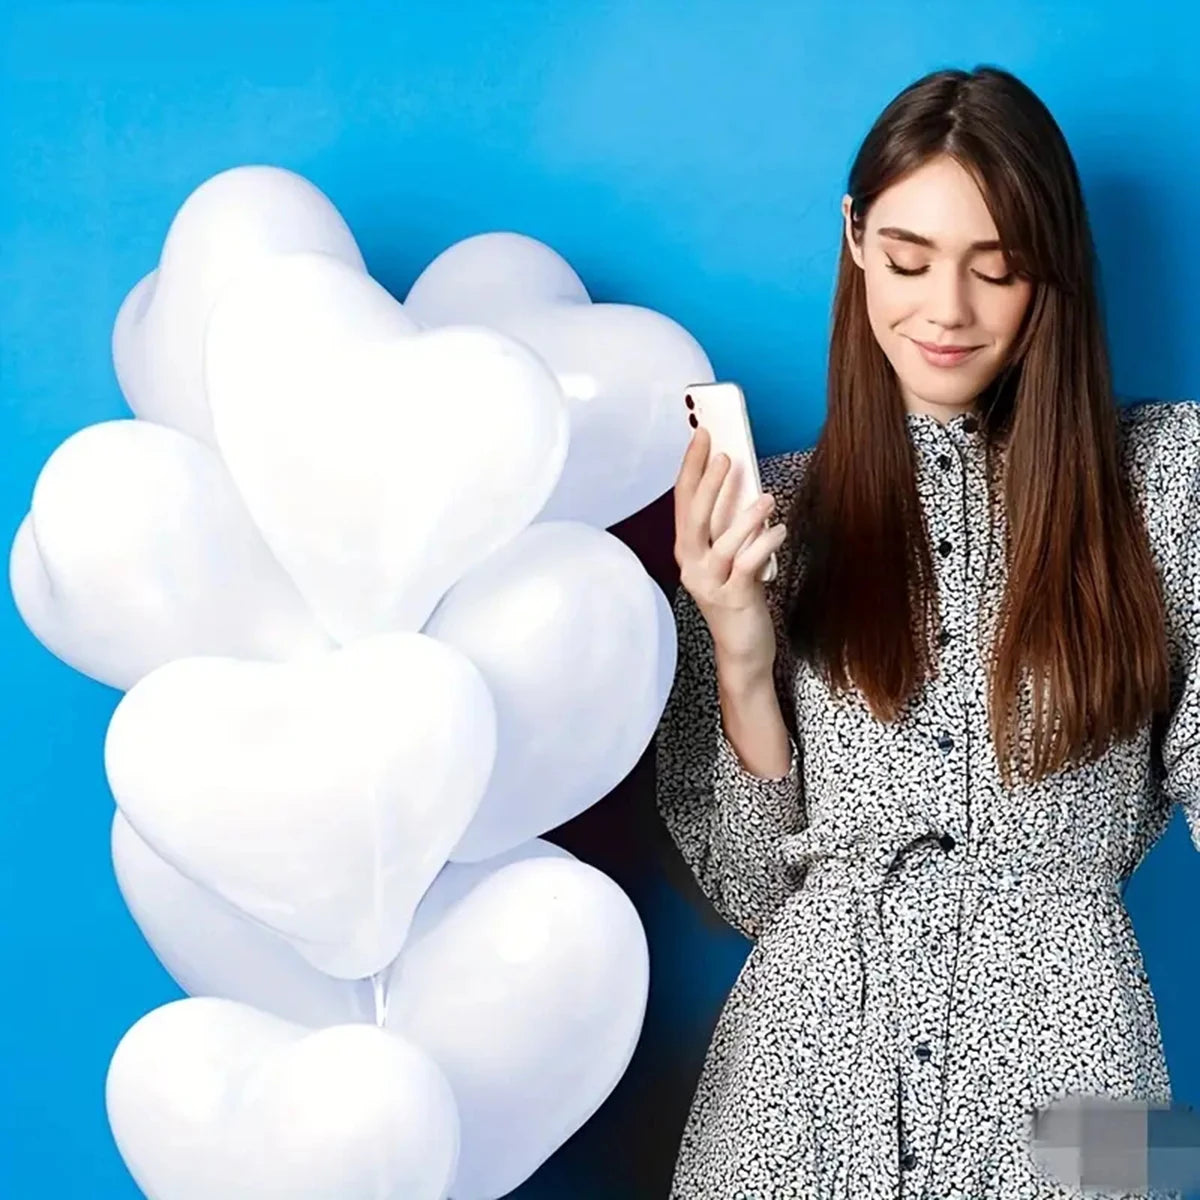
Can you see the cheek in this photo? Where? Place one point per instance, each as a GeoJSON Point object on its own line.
{"type": "Point", "coordinates": [890, 298]}
{"type": "Point", "coordinates": [1004, 314]}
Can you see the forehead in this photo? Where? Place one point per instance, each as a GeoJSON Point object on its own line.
{"type": "Point", "coordinates": [939, 200]}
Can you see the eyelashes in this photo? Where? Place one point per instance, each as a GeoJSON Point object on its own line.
{"type": "Point", "coordinates": [1002, 281]}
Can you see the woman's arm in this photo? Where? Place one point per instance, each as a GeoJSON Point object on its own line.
{"type": "Point", "coordinates": [728, 768]}
{"type": "Point", "coordinates": [753, 722]}
{"type": "Point", "coordinates": [1178, 750]}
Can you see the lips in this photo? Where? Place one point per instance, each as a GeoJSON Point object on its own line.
{"type": "Point", "coordinates": [943, 349]}
{"type": "Point", "coordinates": [944, 356]}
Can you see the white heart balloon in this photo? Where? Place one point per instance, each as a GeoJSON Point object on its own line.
{"type": "Point", "coordinates": [209, 1098]}
{"type": "Point", "coordinates": [456, 881]}
{"type": "Point", "coordinates": [564, 626]}
{"type": "Point", "coordinates": [211, 948]}
{"type": "Point", "coordinates": [138, 550]}
{"type": "Point", "coordinates": [379, 463]}
{"type": "Point", "coordinates": [489, 275]}
{"type": "Point", "coordinates": [321, 797]}
{"type": "Point", "coordinates": [231, 221]}
{"type": "Point", "coordinates": [624, 369]}
{"type": "Point", "coordinates": [529, 993]}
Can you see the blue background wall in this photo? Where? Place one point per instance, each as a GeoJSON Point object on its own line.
{"type": "Point", "coordinates": [687, 156]}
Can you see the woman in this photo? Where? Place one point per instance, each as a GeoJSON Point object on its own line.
{"type": "Point", "coordinates": [926, 849]}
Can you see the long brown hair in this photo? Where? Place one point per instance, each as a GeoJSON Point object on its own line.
{"type": "Point", "coordinates": [1082, 625]}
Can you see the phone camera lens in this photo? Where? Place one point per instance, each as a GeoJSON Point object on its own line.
{"type": "Point", "coordinates": [692, 420]}
{"type": "Point", "coordinates": [689, 402]}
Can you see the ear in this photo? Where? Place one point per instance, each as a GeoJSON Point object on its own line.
{"type": "Point", "coordinates": [855, 248]}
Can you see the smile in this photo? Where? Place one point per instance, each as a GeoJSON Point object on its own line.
{"type": "Point", "coordinates": [944, 356]}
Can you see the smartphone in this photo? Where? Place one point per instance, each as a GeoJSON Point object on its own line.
{"type": "Point", "coordinates": [721, 409]}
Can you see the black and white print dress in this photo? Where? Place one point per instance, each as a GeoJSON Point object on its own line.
{"type": "Point", "coordinates": [933, 955]}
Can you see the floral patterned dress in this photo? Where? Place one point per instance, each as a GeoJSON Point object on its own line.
{"type": "Point", "coordinates": [933, 955]}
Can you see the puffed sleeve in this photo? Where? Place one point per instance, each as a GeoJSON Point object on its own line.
{"type": "Point", "coordinates": [1179, 748]}
{"type": "Point", "coordinates": [727, 822]}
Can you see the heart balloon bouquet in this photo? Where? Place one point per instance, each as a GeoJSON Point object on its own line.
{"type": "Point", "coordinates": [349, 565]}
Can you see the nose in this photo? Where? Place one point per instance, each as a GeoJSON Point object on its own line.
{"type": "Point", "coordinates": [948, 302]}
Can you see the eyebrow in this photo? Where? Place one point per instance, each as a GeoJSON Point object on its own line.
{"type": "Point", "coordinates": [907, 235]}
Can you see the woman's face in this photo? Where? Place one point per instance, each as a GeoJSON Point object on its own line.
{"type": "Point", "coordinates": [935, 224]}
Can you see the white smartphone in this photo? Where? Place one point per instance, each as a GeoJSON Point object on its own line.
{"type": "Point", "coordinates": [721, 409]}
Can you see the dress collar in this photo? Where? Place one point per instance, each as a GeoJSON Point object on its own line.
{"type": "Point", "coordinates": [928, 433]}
{"type": "Point", "coordinates": [967, 422]}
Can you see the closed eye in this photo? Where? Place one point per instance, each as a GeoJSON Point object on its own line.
{"type": "Point", "coordinates": [1002, 281]}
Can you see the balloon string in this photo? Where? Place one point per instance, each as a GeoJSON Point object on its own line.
{"type": "Point", "coordinates": [379, 983]}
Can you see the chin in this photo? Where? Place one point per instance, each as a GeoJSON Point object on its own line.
{"type": "Point", "coordinates": [943, 385]}
{"type": "Point", "coordinates": [956, 397]}
{"type": "Point", "coordinates": [937, 393]}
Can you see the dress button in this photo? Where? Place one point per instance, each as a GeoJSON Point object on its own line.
{"type": "Point", "coordinates": [946, 842]}
{"type": "Point", "coordinates": [970, 424]}
{"type": "Point", "coordinates": [908, 1161]}
{"type": "Point", "coordinates": [923, 1051]}
{"type": "Point", "coordinates": [943, 547]}
{"type": "Point", "coordinates": [944, 637]}
{"type": "Point", "coordinates": [945, 742]}
{"type": "Point", "coordinates": [943, 461]}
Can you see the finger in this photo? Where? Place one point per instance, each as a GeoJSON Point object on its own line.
{"type": "Point", "coordinates": [690, 471]}
{"type": "Point", "coordinates": [696, 528]}
{"type": "Point", "coordinates": [704, 498]}
{"type": "Point", "coordinates": [742, 527]}
{"type": "Point", "coordinates": [753, 556]}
